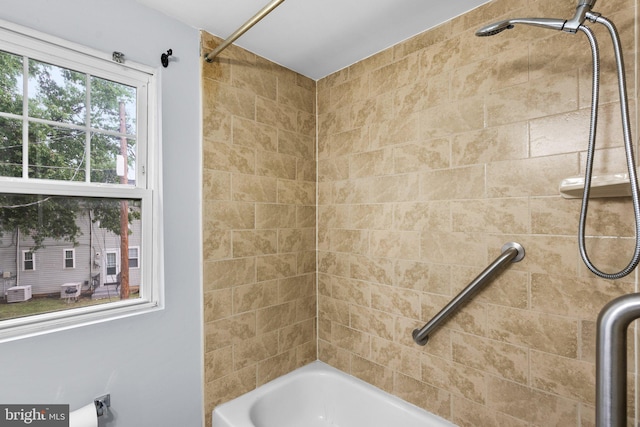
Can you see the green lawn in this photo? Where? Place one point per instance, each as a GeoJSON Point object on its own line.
{"type": "Point", "coordinates": [43, 305]}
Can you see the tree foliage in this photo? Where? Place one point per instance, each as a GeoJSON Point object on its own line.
{"type": "Point", "coordinates": [58, 151]}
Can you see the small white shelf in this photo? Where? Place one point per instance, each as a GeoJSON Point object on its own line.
{"type": "Point", "coordinates": [605, 185]}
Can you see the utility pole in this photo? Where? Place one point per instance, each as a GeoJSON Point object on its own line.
{"type": "Point", "coordinates": [124, 211]}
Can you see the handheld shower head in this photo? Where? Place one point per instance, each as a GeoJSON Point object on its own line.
{"type": "Point", "coordinates": [568, 25]}
{"type": "Point", "coordinates": [495, 28]}
{"type": "Point", "coordinates": [500, 26]}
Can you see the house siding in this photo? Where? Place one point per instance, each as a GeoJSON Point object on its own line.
{"type": "Point", "coordinates": [50, 273]}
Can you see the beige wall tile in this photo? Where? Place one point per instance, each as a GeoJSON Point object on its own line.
{"type": "Point", "coordinates": [564, 377]}
{"type": "Point", "coordinates": [259, 184]}
{"type": "Point", "coordinates": [254, 296]}
{"type": "Point", "coordinates": [376, 270]}
{"type": "Point", "coordinates": [579, 298]}
{"type": "Point", "coordinates": [218, 363]}
{"type": "Point", "coordinates": [458, 379]}
{"type": "Point", "coordinates": [551, 334]}
{"type": "Point", "coordinates": [251, 188]}
{"type": "Point", "coordinates": [432, 399]}
{"type": "Point", "coordinates": [350, 339]}
{"type": "Point", "coordinates": [253, 350]}
{"type": "Point", "coordinates": [378, 323]}
{"type": "Point", "coordinates": [217, 304]}
{"type": "Point", "coordinates": [216, 185]}
{"type": "Point", "coordinates": [372, 373]}
{"type": "Point", "coordinates": [274, 215]}
{"type": "Point", "coordinates": [493, 216]}
{"type": "Point", "coordinates": [459, 183]}
{"type": "Point", "coordinates": [230, 330]}
{"type": "Point", "coordinates": [500, 359]}
{"type": "Point", "coordinates": [230, 215]}
{"type": "Point", "coordinates": [279, 266]}
{"type": "Point", "coordinates": [537, 98]}
{"type": "Point", "coordinates": [228, 273]}
{"type": "Point", "coordinates": [397, 180]}
{"type": "Point", "coordinates": [467, 413]}
{"type": "Point", "coordinates": [272, 368]}
{"type": "Point", "coordinates": [252, 134]}
{"type": "Point", "coordinates": [420, 276]}
{"type": "Point", "coordinates": [531, 405]}
{"type": "Point", "coordinates": [225, 157]}
{"type": "Point", "coordinates": [225, 98]}
{"type": "Point", "coordinates": [402, 302]}
{"type": "Point", "coordinates": [422, 156]}
{"type": "Point", "coordinates": [508, 142]}
{"type": "Point", "coordinates": [531, 177]}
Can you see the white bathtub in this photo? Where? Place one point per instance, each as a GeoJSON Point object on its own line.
{"type": "Point", "coordinates": [318, 395]}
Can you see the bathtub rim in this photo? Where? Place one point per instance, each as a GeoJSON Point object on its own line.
{"type": "Point", "coordinates": [248, 399]}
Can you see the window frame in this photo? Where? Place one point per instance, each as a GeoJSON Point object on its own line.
{"type": "Point", "coordinates": [19, 40]}
{"type": "Point", "coordinates": [25, 260]}
{"type": "Point", "coordinates": [64, 258]}
{"type": "Point", "coordinates": [137, 257]}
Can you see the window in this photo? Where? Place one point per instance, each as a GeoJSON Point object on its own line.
{"type": "Point", "coordinates": [28, 261]}
{"type": "Point", "coordinates": [134, 257]}
{"type": "Point", "coordinates": [78, 164]}
{"type": "Point", "coordinates": [69, 258]}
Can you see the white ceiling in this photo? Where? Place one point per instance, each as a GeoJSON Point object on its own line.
{"type": "Point", "coordinates": [316, 37]}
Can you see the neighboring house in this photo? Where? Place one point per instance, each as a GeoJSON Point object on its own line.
{"type": "Point", "coordinates": [94, 261]}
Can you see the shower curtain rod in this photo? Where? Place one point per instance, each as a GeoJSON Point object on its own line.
{"type": "Point", "coordinates": [240, 31]}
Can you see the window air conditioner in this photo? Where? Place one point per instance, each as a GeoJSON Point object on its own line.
{"type": "Point", "coordinates": [19, 293]}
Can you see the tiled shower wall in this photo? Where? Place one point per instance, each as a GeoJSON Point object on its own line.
{"type": "Point", "coordinates": [259, 215]}
{"type": "Point", "coordinates": [431, 155]}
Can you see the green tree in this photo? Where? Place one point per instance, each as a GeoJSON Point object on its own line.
{"type": "Point", "coordinates": [58, 152]}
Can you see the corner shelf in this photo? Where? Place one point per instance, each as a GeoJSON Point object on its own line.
{"type": "Point", "coordinates": [605, 185]}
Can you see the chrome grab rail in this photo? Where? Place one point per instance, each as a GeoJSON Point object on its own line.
{"type": "Point", "coordinates": [511, 252]}
{"type": "Point", "coordinates": [611, 360]}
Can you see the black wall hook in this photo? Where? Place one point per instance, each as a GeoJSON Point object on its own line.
{"type": "Point", "coordinates": [164, 58]}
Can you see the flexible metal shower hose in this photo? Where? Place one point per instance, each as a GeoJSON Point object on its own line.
{"type": "Point", "coordinates": [591, 147]}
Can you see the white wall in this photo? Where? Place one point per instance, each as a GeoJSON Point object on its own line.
{"type": "Point", "coordinates": [151, 364]}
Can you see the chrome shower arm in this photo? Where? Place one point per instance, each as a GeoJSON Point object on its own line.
{"type": "Point", "coordinates": [573, 24]}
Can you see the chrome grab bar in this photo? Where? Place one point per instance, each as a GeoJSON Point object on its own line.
{"type": "Point", "coordinates": [511, 252]}
{"type": "Point", "coordinates": [611, 360]}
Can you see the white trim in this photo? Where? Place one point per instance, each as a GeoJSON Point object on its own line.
{"type": "Point", "coordinates": [137, 257]}
{"type": "Point", "coordinates": [64, 258]}
{"type": "Point", "coordinates": [49, 41]}
{"type": "Point", "coordinates": [32, 260]}
{"type": "Point", "coordinates": [148, 182]}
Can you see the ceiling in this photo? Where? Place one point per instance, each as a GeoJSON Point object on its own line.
{"type": "Point", "coordinates": [316, 37]}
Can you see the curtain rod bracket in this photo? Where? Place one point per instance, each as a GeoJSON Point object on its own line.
{"type": "Point", "coordinates": [164, 58]}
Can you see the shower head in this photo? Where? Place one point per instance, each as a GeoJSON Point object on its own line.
{"type": "Point", "coordinates": [570, 25]}
{"type": "Point", "coordinates": [500, 26]}
{"type": "Point", "coordinates": [495, 28]}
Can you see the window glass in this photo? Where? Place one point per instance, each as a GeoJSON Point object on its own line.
{"type": "Point", "coordinates": [10, 147]}
{"type": "Point", "coordinates": [29, 260]}
{"type": "Point", "coordinates": [113, 106]}
{"type": "Point", "coordinates": [112, 159]}
{"type": "Point", "coordinates": [69, 258]}
{"type": "Point", "coordinates": [78, 176]}
{"type": "Point", "coordinates": [57, 94]}
{"type": "Point", "coordinates": [56, 153]}
{"type": "Point", "coordinates": [11, 82]}
{"type": "Point", "coordinates": [38, 225]}
{"type": "Point", "coordinates": [134, 258]}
